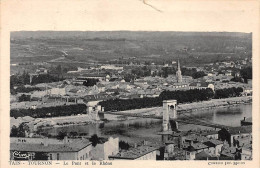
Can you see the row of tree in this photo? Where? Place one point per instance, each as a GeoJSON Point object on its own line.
{"type": "Point", "coordinates": [138, 103]}
{"type": "Point", "coordinates": [24, 97]}
{"type": "Point", "coordinates": [23, 89]}
{"type": "Point", "coordinates": [19, 131]}
{"type": "Point", "coordinates": [54, 111]}
{"type": "Point", "coordinates": [24, 79]}
{"type": "Point", "coordinates": [163, 72]}
{"type": "Point", "coordinates": [228, 92]}
{"type": "Point", "coordinates": [188, 96]}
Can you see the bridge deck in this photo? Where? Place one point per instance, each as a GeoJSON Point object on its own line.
{"type": "Point", "coordinates": [182, 120]}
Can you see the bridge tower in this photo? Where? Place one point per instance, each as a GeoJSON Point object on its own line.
{"type": "Point", "coordinates": [169, 113]}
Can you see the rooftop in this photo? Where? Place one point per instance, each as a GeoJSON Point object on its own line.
{"type": "Point", "coordinates": [134, 153]}
{"type": "Point", "coordinates": [197, 138]}
{"type": "Point", "coordinates": [213, 143]}
{"type": "Point", "coordinates": [70, 147]}
{"type": "Point", "coordinates": [204, 155]}
{"type": "Point", "coordinates": [208, 132]}
{"type": "Point", "coordinates": [197, 146]}
{"type": "Point", "coordinates": [240, 130]}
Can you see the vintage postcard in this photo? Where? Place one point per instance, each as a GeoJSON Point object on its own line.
{"type": "Point", "coordinates": [142, 83]}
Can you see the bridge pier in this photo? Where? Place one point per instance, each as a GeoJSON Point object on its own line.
{"type": "Point", "coordinates": [169, 115]}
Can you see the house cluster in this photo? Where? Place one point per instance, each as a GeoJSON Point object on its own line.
{"type": "Point", "coordinates": [223, 144]}
{"type": "Point", "coordinates": [113, 85]}
{"type": "Point", "coordinates": [211, 144]}
{"type": "Point", "coordinates": [66, 149]}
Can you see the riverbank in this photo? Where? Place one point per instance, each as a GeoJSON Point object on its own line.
{"type": "Point", "coordinates": [63, 121]}
{"type": "Point", "coordinates": [214, 103]}
{"type": "Point", "coordinates": [189, 107]}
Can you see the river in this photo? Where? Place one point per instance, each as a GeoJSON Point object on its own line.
{"type": "Point", "coordinates": [136, 129]}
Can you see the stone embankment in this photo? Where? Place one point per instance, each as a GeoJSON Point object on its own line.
{"type": "Point", "coordinates": [214, 103]}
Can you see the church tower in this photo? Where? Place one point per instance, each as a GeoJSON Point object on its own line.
{"type": "Point", "coordinates": [178, 73]}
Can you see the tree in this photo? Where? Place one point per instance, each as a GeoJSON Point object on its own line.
{"type": "Point", "coordinates": [198, 74]}
{"type": "Point", "coordinates": [61, 135]}
{"type": "Point", "coordinates": [22, 129]}
{"type": "Point", "coordinates": [24, 97]}
{"type": "Point", "coordinates": [123, 145]}
{"type": "Point", "coordinates": [73, 134]}
{"type": "Point", "coordinates": [246, 73]}
{"type": "Point", "coordinates": [94, 139]}
{"type": "Point", "coordinates": [165, 72]}
{"type": "Point", "coordinates": [90, 82]}
{"type": "Point", "coordinates": [14, 131]}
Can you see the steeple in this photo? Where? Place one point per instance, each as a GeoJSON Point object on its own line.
{"type": "Point", "coordinates": [179, 67]}
{"type": "Point", "coordinates": [178, 73]}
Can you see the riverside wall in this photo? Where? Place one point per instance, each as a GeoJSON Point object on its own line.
{"type": "Point", "coordinates": [214, 103]}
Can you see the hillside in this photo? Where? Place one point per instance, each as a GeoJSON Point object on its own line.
{"type": "Point", "coordinates": [88, 47]}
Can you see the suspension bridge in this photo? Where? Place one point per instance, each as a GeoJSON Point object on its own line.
{"type": "Point", "coordinates": [182, 118]}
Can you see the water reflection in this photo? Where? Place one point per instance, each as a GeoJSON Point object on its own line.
{"type": "Point", "coordinates": [230, 116]}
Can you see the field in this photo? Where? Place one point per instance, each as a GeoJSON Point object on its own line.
{"type": "Point", "coordinates": [88, 48]}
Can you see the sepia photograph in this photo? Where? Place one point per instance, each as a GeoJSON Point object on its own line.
{"type": "Point", "coordinates": [129, 84]}
{"type": "Point", "coordinates": [124, 95]}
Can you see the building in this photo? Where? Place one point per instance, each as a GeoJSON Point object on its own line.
{"type": "Point", "coordinates": [246, 152]}
{"type": "Point", "coordinates": [47, 150]}
{"type": "Point", "coordinates": [105, 148]}
{"type": "Point", "coordinates": [66, 149]}
{"type": "Point", "coordinates": [205, 155]}
{"type": "Point", "coordinates": [111, 67]}
{"type": "Point", "coordinates": [210, 134]}
{"type": "Point", "coordinates": [214, 146]}
{"type": "Point", "coordinates": [57, 91]}
{"type": "Point", "coordinates": [193, 149]}
{"type": "Point", "coordinates": [233, 133]}
{"type": "Point", "coordinates": [143, 152]}
{"type": "Point", "coordinates": [201, 85]}
{"type": "Point", "coordinates": [231, 153]}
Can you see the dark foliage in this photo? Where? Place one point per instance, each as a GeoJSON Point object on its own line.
{"type": "Point", "coordinates": [90, 82]}
{"type": "Point", "coordinates": [198, 74]}
{"type": "Point", "coordinates": [24, 97]}
{"type": "Point", "coordinates": [138, 103]}
{"type": "Point", "coordinates": [123, 145]}
{"type": "Point", "coordinates": [53, 111]}
{"type": "Point", "coordinates": [61, 135]}
{"type": "Point", "coordinates": [23, 89]}
{"type": "Point", "coordinates": [246, 73]}
{"type": "Point", "coordinates": [14, 131]}
{"type": "Point", "coordinates": [228, 92]}
{"type": "Point", "coordinates": [94, 139]}
{"type": "Point", "coordinates": [20, 131]}
{"type": "Point", "coordinates": [46, 78]}
{"type": "Point", "coordinates": [237, 79]}
{"type": "Point", "coordinates": [23, 79]}
{"type": "Point", "coordinates": [188, 96]}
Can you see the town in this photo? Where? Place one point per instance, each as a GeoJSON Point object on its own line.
{"type": "Point", "coordinates": [130, 108]}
